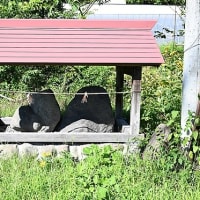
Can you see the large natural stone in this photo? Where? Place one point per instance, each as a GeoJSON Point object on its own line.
{"type": "Point", "coordinates": [2, 128]}
{"type": "Point", "coordinates": [92, 107]}
{"type": "Point", "coordinates": [74, 152]}
{"type": "Point", "coordinates": [25, 120]}
{"type": "Point", "coordinates": [10, 130]}
{"type": "Point", "coordinates": [157, 139]}
{"type": "Point", "coordinates": [1, 123]}
{"type": "Point", "coordinates": [84, 125]}
{"type": "Point", "coordinates": [44, 105]}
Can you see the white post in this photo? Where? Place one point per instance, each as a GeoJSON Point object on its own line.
{"type": "Point", "coordinates": [191, 71]}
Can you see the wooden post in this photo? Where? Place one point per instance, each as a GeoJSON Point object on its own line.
{"type": "Point", "coordinates": [135, 101]}
{"type": "Point", "coordinates": [119, 88]}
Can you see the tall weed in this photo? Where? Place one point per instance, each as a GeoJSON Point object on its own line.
{"type": "Point", "coordinates": [104, 174]}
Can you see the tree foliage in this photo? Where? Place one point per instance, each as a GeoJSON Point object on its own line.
{"type": "Point", "coordinates": [81, 8]}
{"type": "Point", "coordinates": [33, 9]}
{"type": "Point", "coordinates": [37, 77]}
{"type": "Point", "coordinates": [157, 2]}
{"type": "Point", "coordinates": [162, 87]}
{"type": "Point", "coordinates": [46, 8]}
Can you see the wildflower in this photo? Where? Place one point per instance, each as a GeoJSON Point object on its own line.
{"type": "Point", "coordinates": [46, 154]}
{"type": "Point", "coordinates": [42, 163]}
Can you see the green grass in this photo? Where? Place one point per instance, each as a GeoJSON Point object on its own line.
{"type": "Point", "coordinates": [7, 109]}
{"type": "Point", "coordinates": [105, 174]}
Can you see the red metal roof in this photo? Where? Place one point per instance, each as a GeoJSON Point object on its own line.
{"type": "Point", "coordinates": [78, 42]}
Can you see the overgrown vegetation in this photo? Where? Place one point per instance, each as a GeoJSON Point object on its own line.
{"type": "Point", "coordinates": [46, 8]}
{"type": "Point", "coordinates": [104, 174]}
{"type": "Point", "coordinates": [161, 93]}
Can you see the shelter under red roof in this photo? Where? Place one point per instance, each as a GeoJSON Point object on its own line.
{"type": "Point", "coordinates": [127, 44]}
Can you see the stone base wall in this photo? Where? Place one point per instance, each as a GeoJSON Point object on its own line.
{"type": "Point", "coordinates": [38, 151]}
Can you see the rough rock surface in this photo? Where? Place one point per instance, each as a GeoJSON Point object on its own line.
{"type": "Point", "coordinates": [24, 119]}
{"type": "Point", "coordinates": [44, 104]}
{"type": "Point", "coordinates": [1, 123]}
{"type": "Point", "coordinates": [8, 150]}
{"type": "Point", "coordinates": [42, 151]}
{"type": "Point", "coordinates": [27, 149]}
{"type": "Point", "coordinates": [95, 108]}
{"type": "Point", "coordinates": [41, 115]}
{"type": "Point", "coordinates": [159, 136]}
{"type": "Point", "coordinates": [2, 126]}
{"type": "Point", "coordinates": [84, 125]}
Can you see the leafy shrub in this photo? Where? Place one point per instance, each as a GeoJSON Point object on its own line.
{"type": "Point", "coordinates": [161, 88]}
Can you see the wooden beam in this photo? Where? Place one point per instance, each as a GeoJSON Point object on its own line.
{"type": "Point", "coordinates": [119, 88]}
{"type": "Point", "coordinates": [56, 137]}
{"type": "Point", "coordinates": [129, 70]}
{"type": "Point", "coordinates": [135, 101]}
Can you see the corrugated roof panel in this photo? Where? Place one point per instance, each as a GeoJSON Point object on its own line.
{"type": "Point", "coordinates": [87, 42]}
{"type": "Point", "coordinates": [73, 23]}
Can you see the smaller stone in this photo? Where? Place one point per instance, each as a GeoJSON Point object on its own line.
{"type": "Point", "coordinates": [46, 151]}
{"type": "Point", "coordinates": [61, 149]}
{"type": "Point", "coordinates": [8, 150]}
{"type": "Point", "coordinates": [10, 130]}
{"type": "Point", "coordinates": [125, 150]}
{"type": "Point", "coordinates": [27, 149]}
{"type": "Point", "coordinates": [74, 152]}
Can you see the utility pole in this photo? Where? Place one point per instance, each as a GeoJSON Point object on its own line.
{"type": "Point", "coordinates": [191, 71]}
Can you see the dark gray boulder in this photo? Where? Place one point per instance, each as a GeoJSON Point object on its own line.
{"type": "Point", "coordinates": [2, 126]}
{"type": "Point", "coordinates": [25, 120]}
{"type": "Point", "coordinates": [1, 123]}
{"type": "Point", "coordinates": [45, 105]}
{"type": "Point", "coordinates": [92, 107]}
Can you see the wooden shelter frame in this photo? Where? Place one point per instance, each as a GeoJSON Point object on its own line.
{"type": "Point", "coordinates": [125, 65]}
